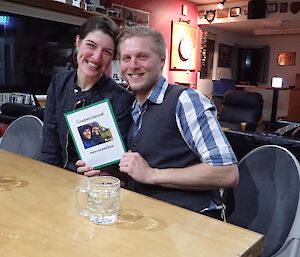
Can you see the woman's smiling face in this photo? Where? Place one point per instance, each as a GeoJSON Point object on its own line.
{"type": "Point", "coordinates": [95, 53]}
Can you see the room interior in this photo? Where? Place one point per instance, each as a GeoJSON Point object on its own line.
{"type": "Point", "coordinates": [216, 37]}
{"type": "Point", "coordinates": [210, 55]}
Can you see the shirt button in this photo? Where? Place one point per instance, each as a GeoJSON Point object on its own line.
{"type": "Point", "coordinates": [134, 144]}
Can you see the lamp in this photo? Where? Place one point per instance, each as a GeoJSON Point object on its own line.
{"type": "Point", "coordinates": [221, 5]}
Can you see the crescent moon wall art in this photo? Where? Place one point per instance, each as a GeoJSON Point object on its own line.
{"type": "Point", "coordinates": [183, 48]}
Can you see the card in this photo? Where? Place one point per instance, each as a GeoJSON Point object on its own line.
{"type": "Point", "coordinates": [96, 134]}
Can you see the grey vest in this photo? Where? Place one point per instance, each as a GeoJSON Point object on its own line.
{"type": "Point", "coordinates": [159, 141]}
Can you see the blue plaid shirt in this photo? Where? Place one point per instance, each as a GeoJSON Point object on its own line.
{"type": "Point", "coordinates": [196, 121]}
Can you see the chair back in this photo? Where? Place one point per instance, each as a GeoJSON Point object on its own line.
{"type": "Point", "coordinates": [267, 199]}
{"type": "Point", "coordinates": [241, 106]}
{"type": "Point", "coordinates": [24, 136]}
{"type": "Point", "coordinates": [219, 88]}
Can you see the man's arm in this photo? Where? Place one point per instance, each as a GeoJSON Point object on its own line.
{"type": "Point", "coordinates": [200, 176]}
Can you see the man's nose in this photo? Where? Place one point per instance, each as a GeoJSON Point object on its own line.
{"type": "Point", "coordinates": [133, 63]}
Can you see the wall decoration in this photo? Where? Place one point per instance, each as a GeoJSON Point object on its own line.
{"type": "Point", "coordinates": [235, 12]}
{"type": "Point", "coordinates": [184, 10]}
{"type": "Point", "coordinates": [224, 56]}
{"type": "Point", "coordinates": [210, 15]}
{"type": "Point", "coordinates": [295, 7]}
{"type": "Point", "coordinates": [222, 13]}
{"type": "Point", "coordinates": [283, 7]}
{"type": "Point", "coordinates": [183, 46]}
{"type": "Point", "coordinates": [201, 14]}
{"type": "Point", "coordinates": [286, 58]}
{"type": "Point", "coordinates": [133, 16]}
{"type": "Point", "coordinates": [271, 7]}
{"type": "Point", "coordinates": [203, 47]}
{"type": "Point", "coordinates": [245, 10]}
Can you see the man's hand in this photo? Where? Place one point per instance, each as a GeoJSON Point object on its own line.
{"type": "Point", "coordinates": [136, 167]}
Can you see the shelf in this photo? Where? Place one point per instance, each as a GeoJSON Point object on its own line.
{"type": "Point", "coordinates": [61, 8]}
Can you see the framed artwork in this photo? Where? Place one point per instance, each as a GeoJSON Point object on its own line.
{"type": "Point", "coordinates": [183, 46]}
{"type": "Point", "coordinates": [132, 16]}
{"type": "Point", "coordinates": [283, 7]}
{"type": "Point", "coordinates": [235, 12]}
{"type": "Point", "coordinates": [245, 10]}
{"type": "Point", "coordinates": [210, 15]}
{"type": "Point", "coordinates": [222, 13]}
{"type": "Point", "coordinates": [286, 58]}
{"type": "Point", "coordinates": [271, 7]}
{"type": "Point", "coordinates": [201, 14]}
{"type": "Point", "coordinates": [224, 56]}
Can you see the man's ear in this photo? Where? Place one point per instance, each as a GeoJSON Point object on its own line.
{"type": "Point", "coordinates": [162, 61]}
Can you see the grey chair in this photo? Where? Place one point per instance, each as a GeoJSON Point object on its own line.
{"type": "Point", "coordinates": [24, 136]}
{"type": "Point", "coordinates": [267, 199]}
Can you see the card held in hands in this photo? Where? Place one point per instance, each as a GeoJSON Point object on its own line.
{"type": "Point", "coordinates": [96, 134]}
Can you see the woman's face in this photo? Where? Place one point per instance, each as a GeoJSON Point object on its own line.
{"type": "Point", "coordinates": [95, 53]}
{"type": "Point", "coordinates": [87, 133]}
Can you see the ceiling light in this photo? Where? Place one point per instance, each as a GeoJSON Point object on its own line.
{"type": "Point", "coordinates": [221, 4]}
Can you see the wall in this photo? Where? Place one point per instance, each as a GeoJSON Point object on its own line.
{"type": "Point", "coordinates": [278, 43]}
{"type": "Point", "coordinates": [162, 13]}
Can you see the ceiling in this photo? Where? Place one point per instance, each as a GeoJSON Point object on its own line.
{"type": "Point", "coordinates": [256, 26]}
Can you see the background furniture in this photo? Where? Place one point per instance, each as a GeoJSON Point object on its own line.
{"type": "Point", "coordinates": [12, 111]}
{"type": "Point", "coordinates": [244, 142]}
{"type": "Point", "coordinates": [241, 106]}
{"type": "Point", "coordinates": [24, 136]}
{"type": "Point", "coordinates": [274, 100]}
{"type": "Point", "coordinates": [267, 199]}
{"type": "Point", "coordinates": [38, 218]}
{"type": "Point", "coordinates": [294, 103]}
{"type": "Point", "coordinates": [220, 87]}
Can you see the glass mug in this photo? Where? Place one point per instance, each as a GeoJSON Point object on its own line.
{"type": "Point", "coordinates": [102, 201]}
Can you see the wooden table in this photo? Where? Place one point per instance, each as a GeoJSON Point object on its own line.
{"type": "Point", "coordinates": [38, 218]}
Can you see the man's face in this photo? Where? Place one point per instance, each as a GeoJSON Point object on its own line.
{"type": "Point", "coordinates": [140, 65]}
{"type": "Point", "coordinates": [95, 131]}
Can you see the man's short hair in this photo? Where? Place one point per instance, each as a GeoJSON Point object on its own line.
{"type": "Point", "coordinates": [159, 45]}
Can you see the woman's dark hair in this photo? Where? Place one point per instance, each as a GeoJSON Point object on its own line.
{"type": "Point", "coordinates": [102, 23]}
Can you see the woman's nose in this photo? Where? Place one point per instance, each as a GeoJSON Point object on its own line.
{"type": "Point", "coordinates": [97, 54]}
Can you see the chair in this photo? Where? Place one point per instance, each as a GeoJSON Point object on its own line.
{"type": "Point", "coordinates": [12, 111]}
{"type": "Point", "coordinates": [241, 107]}
{"type": "Point", "coordinates": [220, 87]}
{"type": "Point", "coordinates": [24, 136]}
{"type": "Point", "coordinates": [267, 199]}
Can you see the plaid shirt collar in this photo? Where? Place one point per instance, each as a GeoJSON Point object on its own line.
{"type": "Point", "coordinates": [156, 96]}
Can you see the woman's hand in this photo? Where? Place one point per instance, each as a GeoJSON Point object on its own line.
{"type": "Point", "coordinates": [86, 170]}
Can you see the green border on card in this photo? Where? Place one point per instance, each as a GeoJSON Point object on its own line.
{"type": "Point", "coordinates": [115, 122]}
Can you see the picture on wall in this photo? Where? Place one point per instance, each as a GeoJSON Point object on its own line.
{"type": "Point", "coordinates": [133, 16]}
{"type": "Point", "coordinates": [235, 12]}
{"type": "Point", "coordinates": [225, 52]}
{"type": "Point", "coordinates": [286, 58]}
{"type": "Point", "coordinates": [271, 7]}
{"type": "Point", "coordinates": [222, 13]}
{"type": "Point", "coordinates": [183, 46]}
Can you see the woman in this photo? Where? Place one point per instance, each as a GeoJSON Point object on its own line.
{"type": "Point", "coordinates": [95, 45]}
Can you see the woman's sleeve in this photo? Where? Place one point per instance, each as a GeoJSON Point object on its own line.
{"type": "Point", "coordinates": [51, 149]}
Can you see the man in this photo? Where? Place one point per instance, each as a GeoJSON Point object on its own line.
{"type": "Point", "coordinates": [178, 152]}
